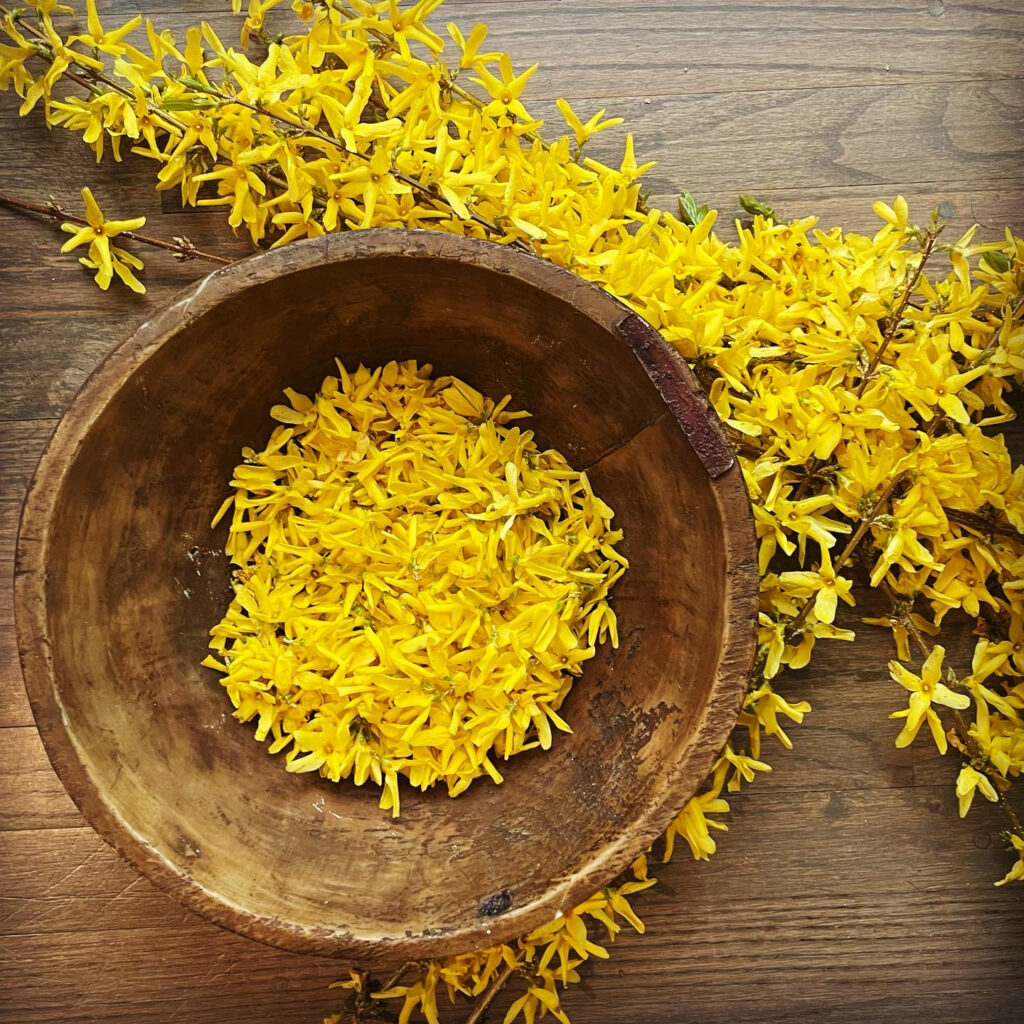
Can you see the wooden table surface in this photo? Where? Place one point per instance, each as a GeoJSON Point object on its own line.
{"type": "Point", "coordinates": [847, 889]}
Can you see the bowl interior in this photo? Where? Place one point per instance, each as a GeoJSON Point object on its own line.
{"type": "Point", "coordinates": [136, 578]}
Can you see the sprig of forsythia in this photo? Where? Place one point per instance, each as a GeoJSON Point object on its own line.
{"type": "Point", "coordinates": [857, 385]}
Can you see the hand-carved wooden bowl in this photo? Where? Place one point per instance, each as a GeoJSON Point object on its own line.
{"type": "Point", "coordinates": [120, 577]}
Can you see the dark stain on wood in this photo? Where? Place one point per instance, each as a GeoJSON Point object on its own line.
{"type": "Point", "coordinates": [495, 904]}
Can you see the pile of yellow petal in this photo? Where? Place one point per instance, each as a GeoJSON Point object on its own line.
{"type": "Point", "coordinates": [418, 583]}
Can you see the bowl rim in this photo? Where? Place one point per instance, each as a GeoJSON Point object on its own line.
{"type": "Point", "coordinates": [682, 397]}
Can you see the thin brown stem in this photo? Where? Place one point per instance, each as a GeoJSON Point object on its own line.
{"type": "Point", "coordinates": [783, 357]}
{"type": "Point", "coordinates": [1011, 314]}
{"type": "Point", "coordinates": [398, 975]}
{"type": "Point", "coordinates": [847, 553]}
{"type": "Point", "coordinates": [95, 76]}
{"type": "Point", "coordinates": [490, 994]}
{"type": "Point", "coordinates": [901, 307]}
{"type": "Point", "coordinates": [464, 94]}
{"type": "Point", "coordinates": [168, 119]}
{"type": "Point", "coordinates": [967, 742]}
{"type": "Point", "coordinates": [183, 249]}
{"type": "Point", "coordinates": [91, 74]}
{"type": "Point", "coordinates": [811, 472]}
{"type": "Point", "coordinates": [862, 527]}
{"type": "Point", "coordinates": [905, 618]}
{"type": "Point", "coordinates": [748, 451]}
{"type": "Point", "coordinates": [893, 325]}
{"type": "Point", "coordinates": [982, 524]}
{"type": "Point", "coordinates": [307, 129]}
{"type": "Point", "coordinates": [477, 102]}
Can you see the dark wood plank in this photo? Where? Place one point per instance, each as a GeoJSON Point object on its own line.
{"type": "Point", "coordinates": [55, 875]}
{"type": "Point", "coordinates": [14, 707]}
{"type": "Point", "coordinates": [938, 134]}
{"type": "Point", "coordinates": [31, 796]}
{"type": "Point", "coordinates": [10, 512]}
{"type": "Point", "coordinates": [602, 48]}
{"type": "Point", "coordinates": [21, 444]}
{"type": "Point", "coordinates": [992, 209]}
{"type": "Point", "coordinates": [825, 920]}
{"type": "Point", "coordinates": [195, 974]}
{"type": "Point", "coordinates": [681, 48]}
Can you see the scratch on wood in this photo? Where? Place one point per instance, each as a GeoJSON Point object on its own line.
{"type": "Point", "coordinates": [113, 899]}
{"type": "Point", "coordinates": [74, 871]}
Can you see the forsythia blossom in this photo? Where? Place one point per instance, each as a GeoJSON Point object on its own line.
{"type": "Point", "coordinates": [925, 690]}
{"type": "Point", "coordinates": [105, 258]}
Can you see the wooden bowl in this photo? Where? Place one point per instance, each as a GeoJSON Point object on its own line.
{"type": "Point", "coordinates": [119, 578]}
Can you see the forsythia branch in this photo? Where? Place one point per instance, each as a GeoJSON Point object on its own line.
{"type": "Point", "coordinates": [183, 248]}
{"type": "Point", "coordinates": [967, 742]}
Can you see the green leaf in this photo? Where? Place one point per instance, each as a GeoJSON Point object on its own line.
{"type": "Point", "coordinates": [755, 207]}
{"type": "Point", "coordinates": [188, 103]}
{"type": "Point", "coordinates": [689, 211]}
{"type": "Point", "coordinates": [191, 82]}
{"type": "Point", "coordinates": [996, 261]}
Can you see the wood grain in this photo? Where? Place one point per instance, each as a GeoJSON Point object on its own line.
{"type": "Point", "coordinates": [31, 796]}
{"type": "Point", "coordinates": [847, 889]}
